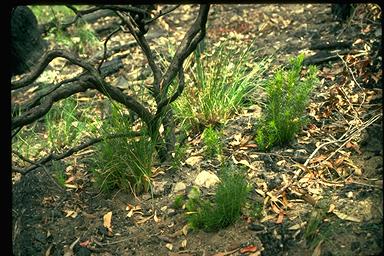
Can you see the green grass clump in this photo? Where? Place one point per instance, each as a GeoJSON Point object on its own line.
{"type": "Point", "coordinates": [62, 124]}
{"type": "Point", "coordinates": [288, 95]}
{"type": "Point", "coordinates": [58, 173]}
{"type": "Point", "coordinates": [211, 139]}
{"type": "Point", "coordinates": [123, 163]}
{"type": "Point", "coordinates": [230, 197]}
{"type": "Point", "coordinates": [67, 124]}
{"type": "Point", "coordinates": [220, 82]}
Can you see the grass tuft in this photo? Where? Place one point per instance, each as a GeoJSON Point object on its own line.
{"type": "Point", "coordinates": [220, 83]}
{"type": "Point", "coordinates": [231, 195]}
{"type": "Point", "coordinates": [123, 163]}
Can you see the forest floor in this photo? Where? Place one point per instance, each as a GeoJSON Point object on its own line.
{"type": "Point", "coordinates": [342, 182]}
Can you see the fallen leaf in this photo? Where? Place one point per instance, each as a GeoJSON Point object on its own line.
{"type": "Point", "coordinates": [185, 229]}
{"type": "Point", "coordinates": [130, 213]}
{"type": "Point", "coordinates": [48, 251]}
{"type": "Point", "coordinates": [344, 216]}
{"type": "Point", "coordinates": [250, 248]}
{"type": "Point", "coordinates": [339, 160]}
{"type": "Point", "coordinates": [356, 169]}
{"type": "Point", "coordinates": [317, 159]}
{"type": "Point", "coordinates": [237, 136]}
{"type": "Point", "coordinates": [71, 186]}
{"type": "Point", "coordinates": [183, 243]}
{"type": "Point", "coordinates": [236, 141]}
{"type": "Point", "coordinates": [70, 213]}
{"type": "Point", "coordinates": [85, 243]}
{"type": "Point", "coordinates": [226, 253]}
{"type": "Point", "coordinates": [155, 218]}
{"type": "Point", "coordinates": [70, 179]}
{"type": "Point", "coordinates": [280, 217]}
{"type": "Point", "coordinates": [133, 209]}
{"type": "Point", "coordinates": [297, 226]}
{"type": "Point", "coordinates": [252, 145]}
{"type": "Point", "coordinates": [331, 208]}
{"type": "Point", "coordinates": [260, 192]}
{"type": "Point", "coordinates": [317, 250]}
{"type": "Point", "coordinates": [243, 162]}
{"type": "Point", "coordinates": [169, 246]}
{"type": "Point", "coordinates": [69, 169]}
{"type": "Point", "coordinates": [328, 164]}
{"type": "Point", "coordinates": [245, 140]}
{"type": "Point", "coordinates": [145, 219]}
{"type": "Point", "coordinates": [107, 218]}
{"type": "Point", "coordinates": [358, 41]}
{"type": "Point", "coordinates": [353, 145]}
{"type": "Point", "coordinates": [275, 209]}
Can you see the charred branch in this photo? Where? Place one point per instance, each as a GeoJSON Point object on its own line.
{"type": "Point", "coordinates": [39, 111]}
{"type": "Point", "coordinates": [69, 152]}
{"type": "Point", "coordinates": [44, 62]}
{"type": "Point", "coordinates": [147, 52]}
{"type": "Point", "coordinates": [189, 43]}
{"type": "Point", "coordinates": [128, 101]}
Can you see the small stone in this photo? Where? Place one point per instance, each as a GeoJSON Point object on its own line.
{"type": "Point", "coordinates": [350, 194]}
{"type": "Point", "coordinates": [206, 179]}
{"type": "Point", "coordinates": [193, 160]}
{"type": "Point", "coordinates": [179, 186]}
{"type": "Point", "coordinates": [158, 187]}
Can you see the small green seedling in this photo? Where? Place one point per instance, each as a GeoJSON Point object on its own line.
{"type": "Point", "coordinates": [178, 202]}
{"type": "Point", "coordinates": [211, 139]}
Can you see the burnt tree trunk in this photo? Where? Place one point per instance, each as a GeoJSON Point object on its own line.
{"type": "Point", "coordinates": [27, 44]}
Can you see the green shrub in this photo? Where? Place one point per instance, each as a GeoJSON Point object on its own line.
{"type": "Point", "coordinates": [288, 95]}
{"type": "Point", "coordinates": [211, 139]}
{"type": "Point", "coordinates": [123, 163]}
{"type": "Point", "coordinates": [230, 197]}
{"type": "Point", "coordinates": [220, 83]}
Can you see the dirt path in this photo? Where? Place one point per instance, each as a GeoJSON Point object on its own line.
{"type": "Point", "coordinates": [45, 218]}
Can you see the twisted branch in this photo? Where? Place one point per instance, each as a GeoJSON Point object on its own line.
{"type": "Point", "coordinates": [69, 152]}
